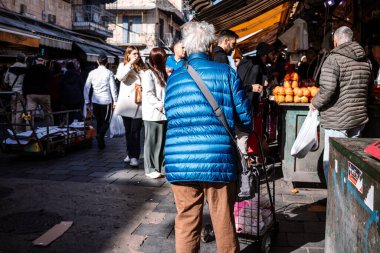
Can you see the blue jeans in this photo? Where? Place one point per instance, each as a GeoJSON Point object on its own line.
{"type": "Point", "coordinates": [350, 133]}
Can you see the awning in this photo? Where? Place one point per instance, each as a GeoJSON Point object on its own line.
{"type": "Point", "coordinates": [93, 53]}
{"type": "Point", "coordinates": [19, 38]}
{"type": "Point", "coordinates": [35, 33]}
{"type": "Point", "coordinates": [230, 13]}
{"type": "Point", "coordinates": [254, 21]}
{"type": "Point", "coordinates": [48, 37]}
{"type": "Point", "coordinates": [262, 21]}
{"type": "Point", "coordinates": [199, 5]}
{"type": "Point", "coordinates": [268, 35]}
{"type": "Point", "coordinates": [261, 28]}
{"type": "Point", "coordinates": [52, 42]}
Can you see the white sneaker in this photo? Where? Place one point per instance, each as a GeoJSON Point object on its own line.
{"type": "Point", "coordinates": [127, 160]}
{"type": "Point", "coordinates": [134, 162]}
{"type": "Point", "coordinates": [154, 175]}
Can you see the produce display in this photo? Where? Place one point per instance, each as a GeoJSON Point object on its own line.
{"type": "Point", "coordinates": [291, 92]}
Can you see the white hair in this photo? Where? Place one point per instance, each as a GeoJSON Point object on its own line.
{"type": "Point", "coordinates": [343, 34]}
{"type": "Point", "coordinates": [197, 36]}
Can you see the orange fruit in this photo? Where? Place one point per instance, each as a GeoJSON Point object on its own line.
{"type": "Point", "coordinates": [289, 91]}
{"type": "Point", "coordinates": [280, 98]}
{"type": "Point", "coordinates": [297, 99]}
{"type": "Point", "coordinates": [304, 99]}
{"type": "Point", "coordinates": [289, 99]}
{"type": "Point", "coordinates": [294, 76]}
{"type": "Point", "coordinates": [280, 90]}
{"type": "Point", "coordinates": [287, 84]}
{"type": "Point", "coordinates": [306, 92]}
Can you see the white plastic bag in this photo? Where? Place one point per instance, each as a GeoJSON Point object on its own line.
{"type": "Point", "coordinates": [307, 138]}
{"type": "Point", "coordinates": [116, 126]}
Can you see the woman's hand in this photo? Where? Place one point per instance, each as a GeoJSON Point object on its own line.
{"type": "Point", "coordinates": [257, 88]}
{"type": "Point", "coordinates": [133, 57]}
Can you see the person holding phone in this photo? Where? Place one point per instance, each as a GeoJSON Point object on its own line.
{"type": "Point", "coordinates": [129, 74]}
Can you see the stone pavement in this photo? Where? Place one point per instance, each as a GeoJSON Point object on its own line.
{"type": "Point", "coordinates": [115, 208]}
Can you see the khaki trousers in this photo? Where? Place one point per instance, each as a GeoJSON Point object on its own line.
{"type": "Point", "coordinates": [189, 199]}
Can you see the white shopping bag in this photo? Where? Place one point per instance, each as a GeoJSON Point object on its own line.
{"type": "Point", "coordinates": [307, 138]}
{"type": "Point", "coordinates": [116, 126]}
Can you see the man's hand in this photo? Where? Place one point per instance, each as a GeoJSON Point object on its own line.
{"type": "Point", "coordinates": [257, 88]}
{"type": "Point", "coordinates": [113, 105]}
{"type": "Point", "coordinates": [311, 106]}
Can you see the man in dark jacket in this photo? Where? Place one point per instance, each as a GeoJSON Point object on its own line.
{"type": "Point", "coordinates": [342, 98]}
{"type": "Point", "coordinates": [253, 71]}
{"type": "Point", "coordinates": [226, 44]}
{"type": "Point", "coordinates": [199, 154]}
{"type": "Point", "coordinates": [36, 89]}
{"type": "Point", "coordinates": [72, 91]}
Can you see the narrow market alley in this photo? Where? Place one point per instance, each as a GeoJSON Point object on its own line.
{"type": "Point", "coordinates": [115, 208]}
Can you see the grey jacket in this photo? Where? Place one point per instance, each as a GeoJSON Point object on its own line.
{"type": "Point", "coordinates": [344, 80]}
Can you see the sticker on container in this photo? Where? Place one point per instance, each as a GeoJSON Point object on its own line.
{"type": "Point", "coordinates": [370, 197]}
{"type": "Point", "coordinates": [355, 176]}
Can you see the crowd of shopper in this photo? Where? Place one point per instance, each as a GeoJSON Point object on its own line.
{"type": "Point", "coordinates": [184, 140]}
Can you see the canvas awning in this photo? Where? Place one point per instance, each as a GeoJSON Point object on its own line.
{"type": "Point", "coordinates": [261, 28]}
{"type": "Point", "coordinates": [254, 21]}
{"type": "Point", "coordinates": [93, 53]}
{"type": "Point", "coordinates": [47, 37]}
{"type": "Point", "coordinates": [231, 13]}
{"type": "Point", "coordinates": [19, 38]}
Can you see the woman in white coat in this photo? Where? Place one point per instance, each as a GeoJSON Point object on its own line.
{"type": "Point", "coordinates": [129, 74]}
{"type": "Point", "coordinates": [154, 86]}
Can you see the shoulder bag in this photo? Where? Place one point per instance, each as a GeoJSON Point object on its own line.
{"type": "Point", "coordinates": [246, 177]}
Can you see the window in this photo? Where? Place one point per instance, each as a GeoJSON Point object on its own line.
{"type": "Point", "coordinates": [171, 30]}
{"type": "Point", "coordinates": [132, 27]}
{"type": "Point", "coordinates": [161, 35]}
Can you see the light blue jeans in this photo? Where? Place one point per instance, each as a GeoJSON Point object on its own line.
{"type": "Point", "coordinates": [350, 133]}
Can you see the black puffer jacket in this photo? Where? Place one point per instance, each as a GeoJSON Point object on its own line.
{"type": "Point", "coordinates": [344, 80]}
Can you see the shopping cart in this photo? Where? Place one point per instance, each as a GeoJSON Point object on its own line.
{"type": "Point", "coordinates": [43, 139]}
{"type": "Point", "coordinates": [255, 218]}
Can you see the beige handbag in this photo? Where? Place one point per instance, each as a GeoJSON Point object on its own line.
{"type": "Point", "coordinates": [138, 94]}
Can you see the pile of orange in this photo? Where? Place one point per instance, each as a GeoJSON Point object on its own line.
{"type": "Point", "coordinates": [292, 93]}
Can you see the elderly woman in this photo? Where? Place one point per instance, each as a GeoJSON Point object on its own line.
{"type": "Point", "coordinates": [199, 154]}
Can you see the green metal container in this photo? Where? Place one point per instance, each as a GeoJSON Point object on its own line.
{"type": "Point", "coordinates": [353, 201]}
{"type": "Point", "coordinates": [309, 168]}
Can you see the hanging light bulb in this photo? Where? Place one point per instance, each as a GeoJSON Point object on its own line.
{"type": "Point", "coordinates": [330, 2]}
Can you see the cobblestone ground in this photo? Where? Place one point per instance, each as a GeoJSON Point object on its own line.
{"type": "Point", "coordinates": [115, 208]}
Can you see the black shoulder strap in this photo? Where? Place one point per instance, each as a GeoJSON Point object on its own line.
{"type": "Point", "coordinates": [215, 107]}
{"type": "Point", "coordinates": [14, 82]}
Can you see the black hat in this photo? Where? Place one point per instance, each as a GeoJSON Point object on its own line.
{"type": "Point", "coordinates": [21, 57]}
{"type": "Point", "coordinates": [264, 48]}
{"type": "Point", "coordinates": [102, 57]}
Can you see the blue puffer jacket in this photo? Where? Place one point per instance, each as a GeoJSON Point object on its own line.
{"type": "Point", "coordinates": [198, 148]}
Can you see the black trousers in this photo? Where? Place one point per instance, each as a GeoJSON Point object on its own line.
{"type": "Point", "coordinates": [132, 136]}
{"type": "Point", "coordinates": [102, 115]}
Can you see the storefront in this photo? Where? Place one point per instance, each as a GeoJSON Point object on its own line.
{"type": "Point", "coordinates": [20, 34]}
{"type": "Point", "coordinates": [304, 29]}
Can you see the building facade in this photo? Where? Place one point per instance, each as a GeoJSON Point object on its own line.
{"type": "Point", "coordinates": [55, 12]}
{"type": "Point", "coordinates": [146, 23]}
{"type": "Point", "coordinates": [57, 29]}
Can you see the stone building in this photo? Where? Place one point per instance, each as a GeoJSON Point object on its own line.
{"type": "Point", "coordinates": [59, 29]}
{"type": "Point", "coordinates": [146, 23]}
